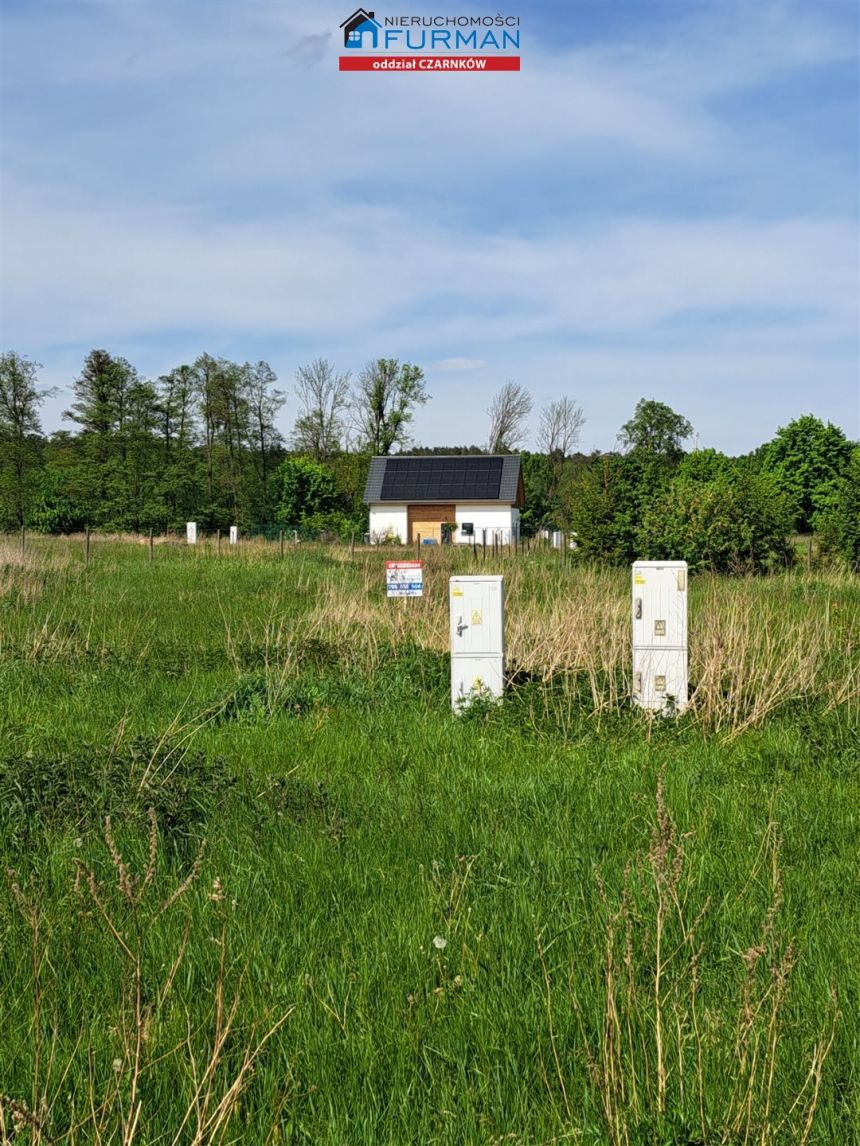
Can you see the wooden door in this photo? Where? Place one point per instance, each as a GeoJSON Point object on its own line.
{"type": "Point", "coordinates": [427, 520]}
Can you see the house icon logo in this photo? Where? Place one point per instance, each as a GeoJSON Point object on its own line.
{"type": "Point", "coordinates": [359, 24]}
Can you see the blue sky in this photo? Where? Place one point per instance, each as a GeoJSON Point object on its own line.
{"type": "Point", "coordinates": [663, 203]}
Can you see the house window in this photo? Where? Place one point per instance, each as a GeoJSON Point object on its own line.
{"type": "Point", "coordinates": [355, 37]}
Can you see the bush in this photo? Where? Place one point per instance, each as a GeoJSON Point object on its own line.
{"type": "Point", "coordinates": [733, 524]}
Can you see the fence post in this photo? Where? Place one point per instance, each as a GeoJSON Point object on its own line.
{"type": "Point", "coordinates": [352, 545]}
{"type": "Point", "coordinates": [281, 541]}
{"type": "Point", "coordinates": [150, 545]}
{"type": "Point", "coordinates": [87, 546]}
{"type": "Point", "coordinates": [23, 539]}
{"type": "Point", "coordinates": [418, 546]}
{"type": "Point", "coordinates": [218, 541]}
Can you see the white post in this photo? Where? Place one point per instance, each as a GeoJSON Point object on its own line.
{"type": "Point", "coordinates": [660, 635]}
{"type": "Point", "coordinates": [234, 534]}
{"type": "Point", "coordinates": [477, 606]}
{"type": "Point", "coordinates": [191, 532]}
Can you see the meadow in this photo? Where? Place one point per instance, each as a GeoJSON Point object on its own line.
{"type": "Point", "coordinates": [260, 885]}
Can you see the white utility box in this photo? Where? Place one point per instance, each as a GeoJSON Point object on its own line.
{"type": "Point", "coordinates": [477, 606]}
{"type": "Point", "coordinates": [660, 679]}
{"type": "Point", "coordinates": [191, 532]}
{"type": "Point", "coordinates": [234, 534]}
{"type": "Point", "coordinates": [659, 620]}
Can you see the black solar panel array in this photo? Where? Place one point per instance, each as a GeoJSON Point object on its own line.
{"type": "Point", "coordinates": [441, 479]}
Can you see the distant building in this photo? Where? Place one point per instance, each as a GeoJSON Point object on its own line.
{"type": "Point", "coordinates": [457, 498]}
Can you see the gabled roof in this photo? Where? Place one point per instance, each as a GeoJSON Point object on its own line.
{"type": "Point", "coordinates": [432, 479]}
{"type": "Point", "coordinates": [361, 15]}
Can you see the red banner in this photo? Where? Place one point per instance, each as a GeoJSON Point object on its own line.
{"type": "Point", "coordinates": [429, 63]}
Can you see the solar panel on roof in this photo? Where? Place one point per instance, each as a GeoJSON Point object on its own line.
{"type": "Point", "coordinates": [443, 479]}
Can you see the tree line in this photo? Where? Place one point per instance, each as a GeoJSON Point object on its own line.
{"type": "Point", "coordinates": [201, 442]}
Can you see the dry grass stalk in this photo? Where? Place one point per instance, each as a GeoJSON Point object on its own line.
{"type": "Point", "coordinates": [650, 1052]}
{"type": "Point", "coordinates": [128, 910]}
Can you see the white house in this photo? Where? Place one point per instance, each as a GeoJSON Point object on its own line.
{"type": "Point", "coordinates": [461, 498]}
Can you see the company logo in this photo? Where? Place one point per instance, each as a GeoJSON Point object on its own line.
{"type": "Point", "coordinates": [454, 43]}
{"type": "Point", "coordinates": [359, 25]}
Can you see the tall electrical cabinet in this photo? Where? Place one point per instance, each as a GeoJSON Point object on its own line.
{"type": "Point", "coordinates": [660, 635]}
{"type": "Point", "coordinates": [477, 607]}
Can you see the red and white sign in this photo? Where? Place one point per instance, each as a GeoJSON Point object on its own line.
{"type": "Point", "coordinates": [404, 578]}
{"type": "Point", "coordinates": [429, 63]}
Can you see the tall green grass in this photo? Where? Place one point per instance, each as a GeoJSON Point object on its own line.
{"type": "Point", "coordinates": [262, 886]}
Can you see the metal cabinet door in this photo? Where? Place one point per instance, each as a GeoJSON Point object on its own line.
{"type": "Point", "coordinates": [660, 679]}
{"type": "Point", "coordinates": [659, 605]}
{"type": "Point", "coordinates": [477, 616]}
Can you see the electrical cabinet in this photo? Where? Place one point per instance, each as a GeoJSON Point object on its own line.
{"type": "Point", "coordinates": [191, 532]}
{"type": "Point", "coordinates": [473, 676]}
{"type": "Point", "coordinates": [659, 623]}
{"type": "Point", "coordinates": [660, 679]}
{"type": "Point", "coordinates": [477, 633]}
{"type": "Point", "coordinates": [234, 534]}
{"type": "Point", "coordinates": [660, 604]}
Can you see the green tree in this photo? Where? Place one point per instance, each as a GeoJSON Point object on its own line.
{"type": "Point", "coordinates": [736, 523]}
{"type": "Point", "coordinates": [840, 522]}
{"type": "Point", "coordinates": [225, 417]}
{"type": "Point", "coordinates": [548, 484]}
{"type": "Point", "coordinates": [20, 433]}
{"type": "Point", "coordinates": [306, 494]}
{"type": "Point", "coordinates": [705, 465]}
{"type": "Point", "coordinates": [264, 401]}
{"type": "Point", "coordinates": [142, 508]}
{"type": "Point", "coordinates": [180, 480]}
{"type": "Point", "coordinates": [607, 498]}
{"type": "Point", "coordinates": [655, 429]}
{"type": "Point", "coordinates": [808, 459]}
{"type": "Point", "coordinates": [384, 403]}
{"type": "Point", "coordinates": [54, 507]}
{"type": "Point", "coordinates": [101, 409]}
{"type": "Point", "coordinates": [350, 474]}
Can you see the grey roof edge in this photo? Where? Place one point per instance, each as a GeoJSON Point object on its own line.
{"type": "Point", "coordinates": [510, 477]}
{"type": "Point", "coordinates": [373, 488]}
{"type": "Point", "coordinates": [507, 485]}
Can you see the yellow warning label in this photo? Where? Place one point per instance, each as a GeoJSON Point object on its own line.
{"type": "Point", "coordinates": [638, 579]}
{"type": "Point", "coordinates": [476, 618]}
{"type": "Point", "coordinates": [456, 592]}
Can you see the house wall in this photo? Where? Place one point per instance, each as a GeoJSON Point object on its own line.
{"type": "Point", "coordinates": [501, 520]}
{"type": "Point", "coordinates": [388, 520]}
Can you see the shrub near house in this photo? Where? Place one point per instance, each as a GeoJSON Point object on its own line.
{"type": "Point", "coordinates": [737, 523]}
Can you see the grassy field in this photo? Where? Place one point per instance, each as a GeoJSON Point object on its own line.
{"type": "Point", "coordinates": [262, 886]}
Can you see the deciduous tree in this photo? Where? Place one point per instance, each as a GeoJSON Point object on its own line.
{"type": "Point", "coordinates": [509, 414]}
{"type": "Point", "coordinates": [324, 399]}
{"type": "Point", "coordinates": [807, 458]}
{"type": "Point", "coordinates": [384, 403]}
{"type": "Point", "coordinates": [655, 429]}
{"type": "Point", "coordinates": [20, 428]}
{"type": "Point", "coordinates": [560, 428]}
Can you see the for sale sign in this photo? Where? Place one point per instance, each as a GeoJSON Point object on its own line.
{"type": "Point", "coordinates": [404, 578]}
